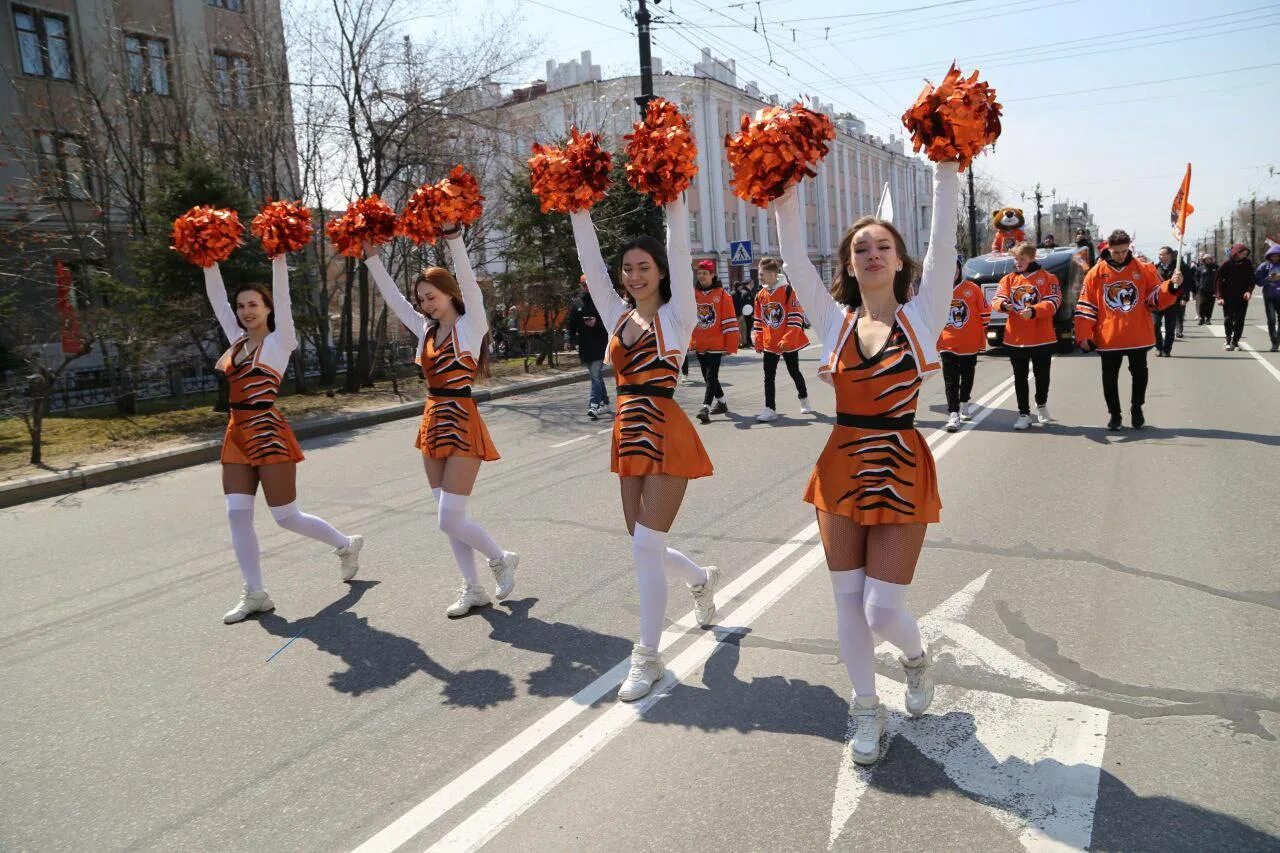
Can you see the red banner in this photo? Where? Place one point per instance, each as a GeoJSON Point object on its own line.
{"type": "Point", "coordinates": [72, 343]}
{"type": "Point", "coordinates": [1182, 207]}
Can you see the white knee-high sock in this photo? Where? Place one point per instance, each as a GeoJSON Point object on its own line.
{"type": "Point", "coordinates": [648, 547]}
{"type": "Point", "coordinates": [887, 614]}
{"type": "Point", "coordinates": [244, 539]}
{"type": "Point", "coordinates": [456, 525]}
{"type": "Point", "coordinates": [681, 567]}
{"type": "Point", "coordinates": [463, 554]}
{"type": "Point", "coordinates": [857, 646]}
{"type": "Point", "coordinates": [291, 518]}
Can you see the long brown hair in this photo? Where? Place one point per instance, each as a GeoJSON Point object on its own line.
{"type": "Point", "coordinates": [442, 280]}
{"type": "Point", "coordinates": [263, 291]}
{"type": "Point", "coordinates": [845, 287]}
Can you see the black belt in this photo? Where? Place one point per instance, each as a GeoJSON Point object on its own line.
{"type": "Point", "coordinates": [875, 421]}
{"type": "Point", "coordinates": [251, 407]}
{"type": "Point", "coordinates": [449, 392]}
{"type": "Point", "coordinates": [646, 390]}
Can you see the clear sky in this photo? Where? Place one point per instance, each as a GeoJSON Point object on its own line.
{"type": "Point", "coordinates": [1104, 102]}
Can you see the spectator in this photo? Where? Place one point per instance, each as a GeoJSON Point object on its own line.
{"type": "Point", "coordinates": [1268, 278]}
{"type": "Point", "coordinates": [587, 328]}
{"type": "Point", "coordinates": [1048, 242]}
{"type": "Point", "coordinates": [1169, 321]}
{"type": "Point", "coordinates": [1233, 286]}
{"type": "Point", "coordinates": [1206, 276]}
{"type": "Point", "coordinates": [744, 294]}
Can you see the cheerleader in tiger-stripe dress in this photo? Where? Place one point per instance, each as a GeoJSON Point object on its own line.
{"type": "Point", "coordinates": [259, 446]}
{"type": "Point", "coordinates": [452, 346]}
{"type": "Point", "coordinates": [875, 487]}
{"type": "Point", "coordinates": [656, 449]}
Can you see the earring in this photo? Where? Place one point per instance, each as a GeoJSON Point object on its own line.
{"type": "Point", "coordinates": [899, 267]}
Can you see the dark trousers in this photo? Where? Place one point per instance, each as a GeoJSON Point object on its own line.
{"type": "Point", "coordinates": [1204, 304]}
{"type": "Point", "coordinates": [957, 378]}
{"type": "Point", "coordinates": [1111, 377]}
{"type": "Point", "coordinates": [709, 364]}
{"type": "Point", "coordinates": [1166, 323]}
{"type": "Point", "coordinates": [771, 371]}
{"type": "Point", "coordinates": [1181, 310]}
{"type": "Point", "coordinates": [1272, 304]}
{"type": "Point", "coordinates": [1233, 319]}
{"type": "Point", "coordinates": [1038, 359]}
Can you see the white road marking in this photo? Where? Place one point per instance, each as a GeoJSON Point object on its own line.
{"type": "Point", "coordinates": [1247, 347]}
{"type": "Point", "coordinates": [985, 405]}
{"type": "Point", "coordinates": [489, 768]}
{"type": "Point", "coordinates": [571, 441]}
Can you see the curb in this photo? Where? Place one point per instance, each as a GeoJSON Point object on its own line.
{"type": "Point", "coordinates": [157, 462]}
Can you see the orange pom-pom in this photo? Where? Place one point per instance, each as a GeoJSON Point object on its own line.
{"type": "Point", "coordinates": [369, 220]}
{"type": "Point", "coordinates": [776, 149]}
{"type": "Point", "coordinates": [207, 235]}
{"type": "Point", "coordinates": [662, 157]}
{"type": "Point", "coordinates": [454, 201]}
{"type": "Point", "coordinates": [571, 178]}
{"type": "Point", "coordinates": [283, 227]}
{"type": "Point", "coordinates": [956, 120]}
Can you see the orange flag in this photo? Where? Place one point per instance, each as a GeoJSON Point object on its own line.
{"type": "Point", "coordinates": [1182, 206]}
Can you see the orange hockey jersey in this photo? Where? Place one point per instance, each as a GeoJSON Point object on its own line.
{"type": "Point", "coordinates": [1006, 240]}
{"type": "Point", "coordinates": [717, 328]}
{"type": "Point", "coordinates": [779, 321]}
{"type": "Point", "coordinates": [965, 331]}
{"type": "Point", "coordinates": [1115, 305]}
{"type": "Point", "coordinates": [1036, 289]}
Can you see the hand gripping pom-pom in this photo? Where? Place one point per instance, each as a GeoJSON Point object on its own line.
{"type": "Point", "coordinates": [453, 201]}
{"type": "Point", "coordinates": [207, 235]}
{"type": "Point", "coordinates": [283, 227]}
{"type": "Point", "coordinates": [570, 178]}
{"type": "Point", "coordinates": [662, 157]}
{"type": "Point", "coordinates": [776, 149]}
{"type": "Point", "coordinates": [954, 121]}
{"type": "Point", "coordinates": [369, 220]}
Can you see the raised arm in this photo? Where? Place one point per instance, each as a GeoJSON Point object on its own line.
{"type": "Point", "coordinates": [683, 305]}
{"type": "Point", "coordinates": [939, 261]}
{"type": "Point", "coordinates": [217, 293]}
{"type": "Point", "coordinates": [607, 300]}
{"type": "Point", "coordinates": [391, 294]}
{"type": "Point", "coordinates": [284, 304]}
{"type": "Point", "coordinates": [472, 297]}
{"type": "Point", "coordinates": [818, 303]}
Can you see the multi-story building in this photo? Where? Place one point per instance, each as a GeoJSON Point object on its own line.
{"type": "Point", "coordinates": [1065, 218]}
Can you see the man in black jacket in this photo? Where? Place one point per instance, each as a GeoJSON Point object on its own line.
{"type": "Point", "coordinates": [1206, 281]}
{"type": "Point", "coordinates": [587, 328]}
{"type": "Point", "coordinates": [1169, 320]}
{"type": "Point", "coordinates": [1234, 285]}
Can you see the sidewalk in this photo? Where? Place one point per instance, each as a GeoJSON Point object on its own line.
{"type": "Point", "coordinates": [22, 490]}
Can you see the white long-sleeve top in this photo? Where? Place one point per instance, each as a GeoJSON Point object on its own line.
{"type": "Point", "coordinates": [677, 318]}
{"type": "Point", "coordinates": [925, 314]}
{"type": "Point", "coordinates": [470, 327]}
{"type": "Point", "coordinates": [278, 345]}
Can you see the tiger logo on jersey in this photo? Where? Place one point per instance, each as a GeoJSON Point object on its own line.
{"type": "Point", "coordinates": [1120, 296]}
{"type": "Point", "coordinates": [959, 315]}
{"type": "Point", "coordinates": [774, 313]}
{"type": "Point", "coordinates": [706, 315]}
{"type": "Point", "coordinates": [1024, 296]}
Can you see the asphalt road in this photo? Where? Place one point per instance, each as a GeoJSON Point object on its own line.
{"type": "Point", "coordinates": [1103, 607]}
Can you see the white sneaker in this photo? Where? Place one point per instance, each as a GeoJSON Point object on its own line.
{"type": "Point", "coordinates": [805, 408]}
{"type": "Point", "coordinates": [250, 602]}
{"type": "Point", "coordinates": [767, 414]}
{"type": "Point", "coordinates": [468, 597]}
{"type": "Point", "coordinates": [349, 557]}
{"type": "Point", "coordinates": [866, 724]}
{"type": "Point", "coordinates": [953, 422]}
{"type": "Point", "coordinates": [504, 572]}
{"type": "Point", "coordinates": [646, 669]}
{"type": "Point", "coordinates": [966, 412]}
{"type": "Point", "coordinates": [704, 597]}
{"type": "Point", "coordinates": [1042, 415]}
{"type": "Point", "coordinates": [593, 412]}
{"type": "Point", "coordinates": [919, 683]}
{"type": "Point", "coordinates": [1022, 422]}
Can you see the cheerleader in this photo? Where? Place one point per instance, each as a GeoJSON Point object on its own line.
{"type": "Point", "coordinates": [655, 450]}
{"type": "Point", "coordinates": [259, 446]}
{"type": "Point", "coordinates": [452, 347]}
{"type": "Point", "coordinates": [875, 487]}
{"type": "Point", "coordinates": [715, 336]}
{"type": "Point", "coordinates": [1030, 295]}
{"type": "Point", "coordinates": [778, 333]}
{"type": "Point", "coordinates": [962, 338]}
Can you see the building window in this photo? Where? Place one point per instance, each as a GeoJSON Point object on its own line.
{"type": "Point", "coordinates": [695, 235]}
{"type": "Point", "coordinates": [148, 61]}
{"type": "Point", "coordinates": [44, 43]}
{"type": "Point", "coordinates": [62, 165]}
{"type": "Point", "coordinates": [230, 5]}
{"type": "Point", "coordinates": [231, 80]}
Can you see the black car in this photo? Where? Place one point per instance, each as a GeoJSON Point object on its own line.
{"type": "Point", "coordinates": [987, 270]}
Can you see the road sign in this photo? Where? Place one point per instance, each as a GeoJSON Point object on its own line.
{"type": "Point", "coordinates": [740, 253]}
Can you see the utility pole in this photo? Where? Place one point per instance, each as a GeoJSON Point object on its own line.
{"type": "Point", "coordinates": [1216, 232]}
{"type": "Point", "coordinates": [1039, 199]}
{"type": "Point", "coordinates": [1231, 229]}
{"type": "Point", "coordinates": [973, 218]}
{"type": "Point", "coordinates": [1253, 226]}
{"type": "Point", "coordinates": [643, 20]}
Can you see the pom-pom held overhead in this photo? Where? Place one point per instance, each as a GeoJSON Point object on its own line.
{"type": "Point", "coordinates": [570, 178]}
{"type": "Point", "coordinates": [955, 120]}
{"type": "Point", "coordinates": [282, 226]}
{"type": "Point", "coordinates": [369, 220]}
{"type": "Point", "coordinates": [775, 149]}
{"type": "Point", "coordinates": [662, 157]}
{"type": "Point", "coordinates": [207, 235]}
{"type": "Point", "coordinates": [453, 201]}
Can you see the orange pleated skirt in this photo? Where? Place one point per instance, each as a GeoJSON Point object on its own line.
{"type": "Point", "coordinates": [452, 426]}
{"type": "Point", "coordinates": [874, 476]}
{"type": "Point", "coordinates": [260, 437]}
{"type": "Point", "coordinates": [652, 435]}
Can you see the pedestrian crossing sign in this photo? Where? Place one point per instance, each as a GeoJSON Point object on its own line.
{"type": "Point", "coordinates": [740, 253]}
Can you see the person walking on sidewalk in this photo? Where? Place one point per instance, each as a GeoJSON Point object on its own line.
{"type": "Point", "coordinates": [1113, 316]}
{"type": "Point", "coordinates": [1206, 275]}
{"type": "Point", "coordinates": [587, 328]}
{"type": "Point", "coordinates": [1168, 322]}
{"type": "Point", "coordinates": [1268, 277]}
{"type": "Point", "coordinates": [1030, 295]}
{"type": "Point", "coordinates": [1234, 286]}
{"type": "Point", "coordinates": [962, 338]}
{"type": "Point", "coordinates": [779, 334]}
